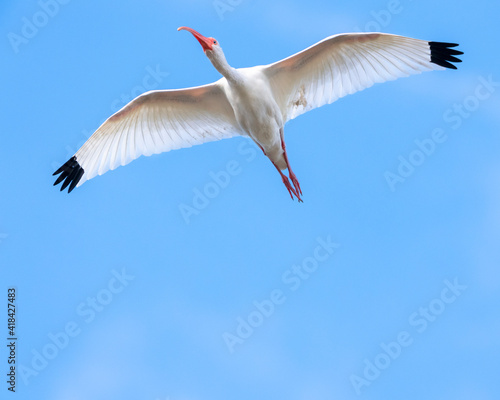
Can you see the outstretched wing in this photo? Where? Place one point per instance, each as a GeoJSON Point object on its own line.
{"type": "Point", "coordinates": [344, 64]}
{"type": "Point", "coordinates": [153, 123]}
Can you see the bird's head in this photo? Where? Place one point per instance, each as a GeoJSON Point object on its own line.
{"type": "Point", "coordinates": [212, 50]}
{"type": "Point", "coordinates": [209, 44]}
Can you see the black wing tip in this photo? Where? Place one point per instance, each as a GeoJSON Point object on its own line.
{"type": "Point", "coordinates": [443, 54]}
{"type": "Point", "coordinates": [71, 172]}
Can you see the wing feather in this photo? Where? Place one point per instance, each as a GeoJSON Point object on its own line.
{"type": "Point", "coordinates": [347, 63]}
{"type": "Point", "coordinates": [154, 122]}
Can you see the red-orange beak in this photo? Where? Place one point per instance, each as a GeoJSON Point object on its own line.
{"type": "Point", "coordinates": [206, 43]}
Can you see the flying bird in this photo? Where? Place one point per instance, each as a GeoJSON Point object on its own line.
{"type": "Point", "coordinates": [255, 102]}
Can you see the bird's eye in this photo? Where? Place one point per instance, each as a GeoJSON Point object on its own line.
{"type": "Point", "coordinates": [215, 41]}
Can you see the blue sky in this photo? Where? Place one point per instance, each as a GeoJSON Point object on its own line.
{"type": "Point", "coordinates": [375, 287]}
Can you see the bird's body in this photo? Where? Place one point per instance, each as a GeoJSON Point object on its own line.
{"type": "Point", "coordinates": [256, 102]}
{"type": "Point", "coordinates": [256, 111]}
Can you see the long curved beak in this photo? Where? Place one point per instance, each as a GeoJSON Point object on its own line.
{"type": "Point", "coordinates": [205, 42]}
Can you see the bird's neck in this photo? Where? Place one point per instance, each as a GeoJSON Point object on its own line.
{"type": "Point", "coordinates": [220, 63]}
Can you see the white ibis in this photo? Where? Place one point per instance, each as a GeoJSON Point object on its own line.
{"type": "Point", "coordinates": [254, 102]}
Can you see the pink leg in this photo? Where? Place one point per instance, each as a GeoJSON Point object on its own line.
{"type": "Point", "coordinates": [286, 182]}
{"type": "Point", "coordinates": [291, 190]}
{"type": "Point", "coordinates": [290, 172]}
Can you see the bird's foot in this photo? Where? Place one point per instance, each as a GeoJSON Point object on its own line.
{"type": "Point", "coordinates": [295, 182]}
{"type": "Point", "coordinates": [290, 188]}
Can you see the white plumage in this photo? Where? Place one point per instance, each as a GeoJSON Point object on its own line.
{"type": "Point", "coordinates": [254, 102]}
{"type": "Point", "coordinates": [157, 122]}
